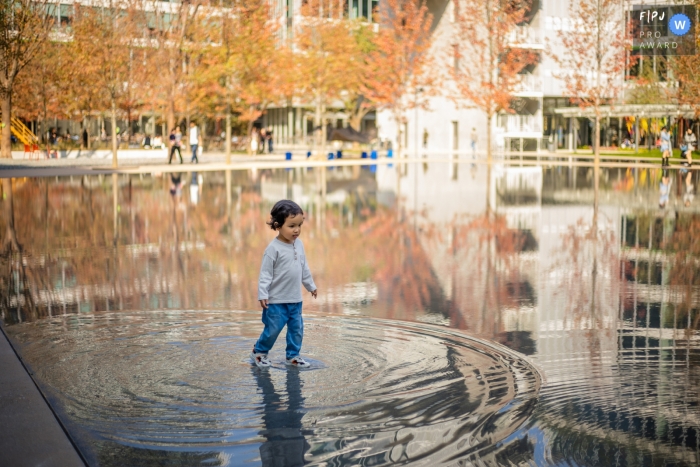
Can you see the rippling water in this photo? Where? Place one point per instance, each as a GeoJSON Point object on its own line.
{"type": "Point", "coordinates": [143, 386]}
{"type": "Point", "coordinates": [466, 316]}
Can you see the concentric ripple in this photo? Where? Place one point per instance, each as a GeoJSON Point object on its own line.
{"type": "Point", "coordinates": [177, 388]}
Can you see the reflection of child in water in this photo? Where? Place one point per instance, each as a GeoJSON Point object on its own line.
{"type": "Point", "coordinates": [664, 188]}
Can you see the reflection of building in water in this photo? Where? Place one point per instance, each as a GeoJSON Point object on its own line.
{"type": "Point", "coordinates": [599, 331]}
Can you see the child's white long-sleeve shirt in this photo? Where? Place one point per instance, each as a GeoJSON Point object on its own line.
{"type": "Point", "coordinates": [282, 271]}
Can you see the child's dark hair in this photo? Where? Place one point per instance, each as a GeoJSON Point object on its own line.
{"type": "Point", "coordinates": [281, 211]}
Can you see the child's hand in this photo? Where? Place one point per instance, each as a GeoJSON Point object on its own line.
{"type": "Point", "coordinates": [314, 293]}
{"type": "Point", "coordinates": [263, 303]}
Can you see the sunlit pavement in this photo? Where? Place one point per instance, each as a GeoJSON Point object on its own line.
{"type": "Point", "coordinates": [29, 431]}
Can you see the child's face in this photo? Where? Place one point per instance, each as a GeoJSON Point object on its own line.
{"type": "Point", "coordinates": [291, 228]}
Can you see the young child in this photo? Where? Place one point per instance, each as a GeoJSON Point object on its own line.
{"type": "Point", "coordinates": [283, 269]}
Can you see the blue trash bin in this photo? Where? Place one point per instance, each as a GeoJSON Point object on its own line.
{"type": "Point", "coordinates": [331, 156]}
{"type": "Point", "coordinates": [374, 154]}
{"type": "Point", "coordinates": [339, 154]}
{"type": "Point", "coordinates": [308, 154]}
{"type": "Point", "coordinates": [288, 156]}
{"type": "Point", "coordinates": [364, 155]}
{"type": "Point", "coordinates": [390, 153]}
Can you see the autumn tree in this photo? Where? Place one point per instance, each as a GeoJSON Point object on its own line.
{"type": "Point", "coordinates": [175, 31]}
{"type": "Point", "coordinates": [594, 58]}
{"type": "Point", "coordinates": [357, 105]}
{"type": "Point", "coordinates": [213, 81]}
{"type": "Point", "coordinates": [328, 54]}
{"type": "Point", "coordinates": [686, 70]}
{"type": "Point", "coordinates": [103, 41]}
{"type": "Point", "coordinates": [399, 61]}
{"type": "Point", "coordinates": [24, 28]}
{"type": "Point", "coordinates": [486, 55]}
{"type": "Point", "coordinates": [257, 78]}
{"type": "Point", "coordinates": [37, 92]}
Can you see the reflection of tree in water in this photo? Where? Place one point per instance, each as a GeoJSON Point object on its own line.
{"type": "Point", "coordinates": [16, 298]}
{"type": "Point", "coordinates": [159, 252]}
{"type": "Point", "coordinates": [480, 257]}
{"type": "Point", "coordinates": [587, 271]}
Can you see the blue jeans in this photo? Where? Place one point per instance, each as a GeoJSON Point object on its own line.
{"type": "Point", "coordinates": [275, 318]}
{"type": "Point", "coordinates": [194, 148]}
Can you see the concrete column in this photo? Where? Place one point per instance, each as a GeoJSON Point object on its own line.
{"type": "Point", "coordinates": [571, 134]}
{"type": "Point", "coordinates": [302, 122]}
{"type": "Point", "coordinates": [290, 125]}
{"type": "Point", "coordinates": [636, 134]}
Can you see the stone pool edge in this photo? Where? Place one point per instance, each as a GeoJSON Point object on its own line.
{"type": "Point", "coordinates": [30, 432]}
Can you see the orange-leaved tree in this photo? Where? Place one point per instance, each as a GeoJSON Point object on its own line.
{"type": "Point", "coordinates": [357, 105]}
{"type": "Point", "coordinates": [328, 55]}
{"type": "Point", "coordinates": [594, 59]}
{"type": "Point", "coordinates": [398, 64]}
{"type": "Point", "coordinates": [37, 92]}
{"type": "Point", "coordinates": [487, 57]}
{"type": "Point", "coordinates": [24, 28]}
{"type": "Point", "coordinates": [241, 63]}
{"type": "Point", "coordinates": [102, 47]}
{"type": "Point", "coordinates": [253, 67]}
{"type": "Point", "coordinates": [175, 32]}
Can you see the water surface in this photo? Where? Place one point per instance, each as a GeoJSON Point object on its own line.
{"type": "Point", "coordinates": [466, 316]}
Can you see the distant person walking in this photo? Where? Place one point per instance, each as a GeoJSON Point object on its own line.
{"type": "Point", "coordinates": [690, 142]}
{"type": "Point", "coordinates": [269, 140]}
{"type": "Point", "coordinates": [665, 146]}
{"type": "Point", "coordinates": [474, 137]}
{"type": "Point", "coordinates": [175, 138]}
{"type": "Point", "coordinates": [194, 141]}
{"type": "Point", "coordinates": [263, 140]}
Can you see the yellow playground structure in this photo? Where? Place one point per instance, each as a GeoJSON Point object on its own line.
{"type": "Point", "coordinates": [22, 133]}
{"type": "Point", "coordinates": [25, 136]}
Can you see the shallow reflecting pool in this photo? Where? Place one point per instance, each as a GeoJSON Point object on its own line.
{"type": "Point", "coordinates": [467, 315]}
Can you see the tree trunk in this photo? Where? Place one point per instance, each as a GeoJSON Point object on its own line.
{"type": "Point", "coordinates": [86, 129]}
{"type": "Point", "coordinates": [399, 132]}
{"type": "Point", "coordinates": [324, 131]}
{"type": "Point", "coordinates": [170, 115]}
{"type": "Point", "coordinates": [250, 135]}
{"type": "Point", "coordinates": [114, 133]}
{"type": "Point", "coordinates": [6, 107]}
{"type": "Point", "coordinates": [227, 143]}
{"type": "Point", "coordinates": [489, 139]}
